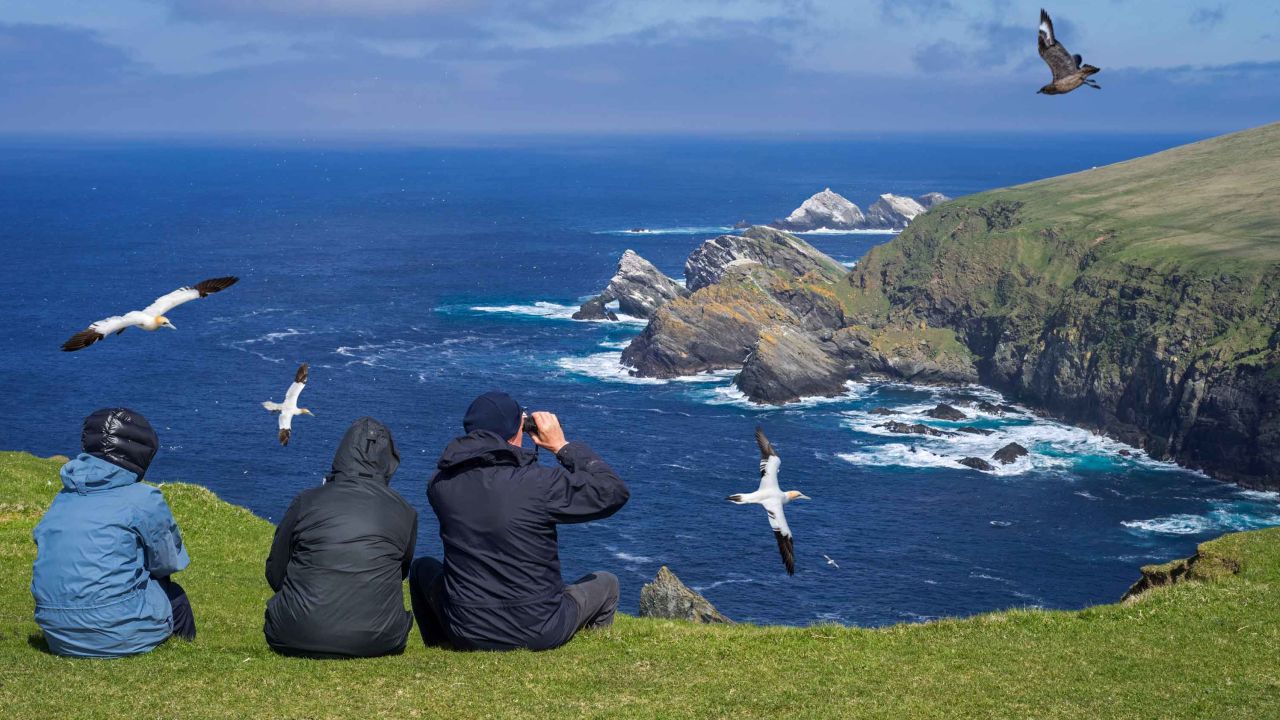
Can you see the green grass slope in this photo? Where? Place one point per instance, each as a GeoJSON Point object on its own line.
{"type": "Point", "coordinates": [1197, 650]}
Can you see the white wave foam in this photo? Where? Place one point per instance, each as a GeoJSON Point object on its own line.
{"type": "Point", "coordinates": [552, 311]}
{"type": "Point", "coordinates": [682, 230]}
{"type": "Point", "coordinates": [1086, 495]}
{"type": "Point", "coordinates": [608, 366]}
{"type": "Point", "coordinates": [615, 344]}
{"type": "Point", "coordinates": [1263, 495]}
{"type": "Point", "coordinates": [731, 395]}
{"type": "Point", "coordinates": [629, 558]}
{"type": "Point", "coordinates": [270, 338]}
{"type": "Point", "coordinates": [1221, 519]}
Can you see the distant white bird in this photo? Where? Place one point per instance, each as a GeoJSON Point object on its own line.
{"type": "Point", "coordinates": [289, 407]}
{"type": "Point", "coordinates": [831, 562]}
{"type": "Point", "coordinates": [150, 318]}
{"type": "Point", "coordinates": [769, 496]}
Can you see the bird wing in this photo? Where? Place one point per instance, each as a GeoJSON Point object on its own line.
{"type": "Point", "coordinates": [99, 330]}
{"type": "Point", "coordinates": [1060, 62]}
{"type": "Point", "coordinates": [299, 382]}
{"type": "Point", "coordinates": [769, 462]}
{"type": "Point", "coordinates": [165, 303]}
{"type": "Point", "coordinates": [781, 533]}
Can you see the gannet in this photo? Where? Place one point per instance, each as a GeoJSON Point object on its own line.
{"type": "Point", "coordinates": [289, 407]}
{"type": "Point", "coordinates": [831, 562]}
{"type": "Point", "coordinates": [150, 318]}
{"type": "Point", "coordinates": [1069, 71]}
{"type": "Point", "coordinates": [773, 499]}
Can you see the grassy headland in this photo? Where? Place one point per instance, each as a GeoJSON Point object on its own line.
{"type": "Point", "coordinates": [1190, 650]}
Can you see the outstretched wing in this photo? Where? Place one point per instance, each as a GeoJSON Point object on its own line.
{"type": "Point", "coordinates": [769, 462]}
{"type": "Point", "coordinates": [1060, 62]}
{"type": "Point", "coordinates": [299, 382]}
{"type": "Point", "coordinates": [95, 332]}
{"type": "Point", "coordinates": [781, 533]}
{"type": "Point", "coordinates": [165, 303]}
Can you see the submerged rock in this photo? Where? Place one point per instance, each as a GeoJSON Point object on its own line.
{"type": "Point", "coordinates": [882, 411]}
{"type": "Point", "coordinates": [974, 430]}
{"type": "Point", "coordinates": [945, 412]}
{"type": "Point", "coordinates": [594, 309]}
{"type": "Point", "coordinates": [992, 408]}
{"type": "Point", "coordinates": [916, 429]}
{"type": "Point", "coordinates": [667, 597]}
{"type": "Point", "coordinates": [1010, 453]}
{"type": "Point", "coordinates": [977, 463]}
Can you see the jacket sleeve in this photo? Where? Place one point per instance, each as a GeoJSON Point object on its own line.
{"type": "Point", "coordinates": [586, 488]}
{"type": "Point", "coordinates": [161, 540]}
{"type": "Point", "coordinates": [408, 551]}
{"type": "Point", "coordinates": [282, 546]}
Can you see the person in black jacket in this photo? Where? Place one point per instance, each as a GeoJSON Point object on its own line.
{"type": "Point", "coordinates": [340, 554]}
{"type": "Point", "coordinates": [499, 587]}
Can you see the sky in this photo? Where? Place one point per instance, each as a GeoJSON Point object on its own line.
{"type": "Point", "coordinates": [405, 68]}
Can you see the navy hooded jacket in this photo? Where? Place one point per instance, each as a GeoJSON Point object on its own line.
{"type": "Point", "coordinates": [498, 510]}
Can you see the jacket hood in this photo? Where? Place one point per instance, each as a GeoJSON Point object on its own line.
{"type": "Point", "coordinates": [367, 452]}
{"type": "Point", "coordinates": [482, 447]}
{"type": "Point", "coordinates": [122, 437]}
{"type": "Point", "coordinates": [86, 474]}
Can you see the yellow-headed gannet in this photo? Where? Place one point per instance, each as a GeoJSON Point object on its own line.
{"type": "Point", "coordinates": [150, 318]}
{"type": "Point", "coordinates": [773, 499]}
{"type": "Point", "coordinates": [289, 407]}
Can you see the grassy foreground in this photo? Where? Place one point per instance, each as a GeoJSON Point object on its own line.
{"type": "Point", "coordinates": [1198, 650]}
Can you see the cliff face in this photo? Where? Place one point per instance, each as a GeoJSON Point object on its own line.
{"type": "Point", "coordinates": [1142, 299]}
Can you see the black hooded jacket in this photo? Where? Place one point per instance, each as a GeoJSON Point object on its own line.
{"type": "Point", "coordinates": [122, 437]}
{"type": "Point", "coordinates": [340, 555]}
{"type": "Point", "coordinates": [498, 510]}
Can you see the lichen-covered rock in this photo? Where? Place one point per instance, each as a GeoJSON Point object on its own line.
{"type": "Point", "coordinates": [944, 411]}
{"type": "Point", "coordinates": [787, 365]}
{"type": "Point", "coordinates": [666, 597]}
{"type": "Point", "coordinates": [638, 287]}
{"type": "Point", "coordinates": [977, 464]}
{"type": "Point", "coordinates": [773, 249]}
{"type": "Point", "coordinates": [1010, 453]}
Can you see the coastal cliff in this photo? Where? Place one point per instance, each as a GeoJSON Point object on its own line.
{"type": "Point", "coordinates": [1140, 299]}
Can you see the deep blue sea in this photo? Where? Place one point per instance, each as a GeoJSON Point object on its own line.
{"type": "Point", "coordinates": [412, 278]}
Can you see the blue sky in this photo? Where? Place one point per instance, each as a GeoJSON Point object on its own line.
{"type": "Point", "coordinates": [419, 67]}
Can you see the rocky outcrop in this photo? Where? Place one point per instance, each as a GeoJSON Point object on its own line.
{"type": "Point", "coordinates": [974, 431]}
{"type": "Point", "coordinates": [914, 429]}
{"type": "Point", "coordinates": [1010, 453]}
{"type": "Point", "coordinates": [977, 464]}
{"type": "Point", "coordinates": [823, 211]}
{"type": "Point", "coordinates": [882, 411]}
{"type": "Point", "coordinates": [668, 598]}
{"type": "Point", "coordinates": [893, 212]}
{"type": "Point", "coordinates": [1203, 566]}
{"type": "Point", "coordinates": [944, 411]}
{"type": "Point", "coordinates": [760, 245]}
{"type": "Point", "coordinates": [638, 287]}
{"type": "Point", "coordinates": [788, 364]}
{"type": "Point", "coordinates": [831, 211]}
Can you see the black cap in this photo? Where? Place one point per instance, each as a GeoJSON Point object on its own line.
{"type": "Point", "coordinates": [494, 411]}
{"type": "Point", "coordinates": [122, 437]}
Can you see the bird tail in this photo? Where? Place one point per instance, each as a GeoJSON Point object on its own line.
{"type": "Point", "coordinates": [735, 499]}
{"type": "Point", "coordinates": [1088, 70]}
{"type": "Point", "coordinates": [273, 406]}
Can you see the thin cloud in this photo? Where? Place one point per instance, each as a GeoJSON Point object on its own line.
{"type": "Point", "coordinates": [1208, 17]}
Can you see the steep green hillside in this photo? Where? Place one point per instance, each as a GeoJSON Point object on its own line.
{"type": "Point", "coordinates": [1191, 650]}
{"type": "Point", "coordinates": [1141, 298]}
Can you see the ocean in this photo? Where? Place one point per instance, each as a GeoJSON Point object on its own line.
{"type": "Point", "coordinates": [413, 277]}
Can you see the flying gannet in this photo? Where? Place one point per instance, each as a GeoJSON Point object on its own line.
{"type": "Point", "coordinates": [1069, 71]}
{"type": "Point", "coordinates": [773, 499]}
{"type": "Point", "coordinates": [150, 318]}
{"type": "Point", "coordinates": [831, 562]}
{"type": "Point", "coordinates": [289, 407]}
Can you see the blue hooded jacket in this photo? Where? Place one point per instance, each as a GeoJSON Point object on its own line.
{"type": "Point", "coordinates": [103, 540]}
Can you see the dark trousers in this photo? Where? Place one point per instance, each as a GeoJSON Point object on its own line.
{"type": "Point", "coordinates": [184, 622]}
{"type": "Point", "coordinates": [595, 594]}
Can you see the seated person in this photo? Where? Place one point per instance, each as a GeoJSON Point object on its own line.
{"type": "Point", "coordinates": [340, 554]}
{"type": "Point", "coordinates": [106, 549]}
{"type": "Point", "coordinates": [499, 587]}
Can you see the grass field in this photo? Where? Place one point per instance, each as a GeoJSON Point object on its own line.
{"type": "Point", "coordinates": [1194, 650]}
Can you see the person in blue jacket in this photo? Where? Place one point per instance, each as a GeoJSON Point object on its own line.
{"type": "Point", "coordinates": [107, 547]}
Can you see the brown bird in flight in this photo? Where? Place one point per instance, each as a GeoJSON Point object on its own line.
{"type": "Point", "coordinates": [150, 318]}
{"type": "Point", "coordinates": [1069, 71]}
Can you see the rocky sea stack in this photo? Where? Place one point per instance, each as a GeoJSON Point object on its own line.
{"type": "Point", "coordinates": [638, 287]}
{"type": "Point", "coordinates": [828, 210]}
{"type": "Point", "coordinates": [666, 597]}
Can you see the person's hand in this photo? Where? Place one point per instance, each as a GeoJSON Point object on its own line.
{"type": "Point", "coordinates": [549, 434]}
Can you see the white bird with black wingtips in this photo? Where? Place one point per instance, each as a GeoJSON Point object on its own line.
{"type": "Point", "coordinates": [772, 499]}
{"type": "Point", "coordinates": [149, 318]}
{"type": "Point", "coordinates": [289, 408]}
